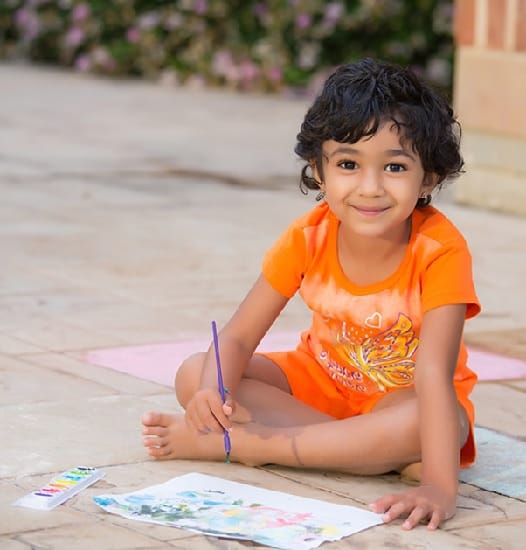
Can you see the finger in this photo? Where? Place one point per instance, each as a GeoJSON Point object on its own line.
{"type": "Point", "coordinates": [380, 505]}
{"type": "Point", "coordinates": [415, 517]}
{"type": "Point", "coordinates": [220, 412]}
{"type": "Point", "coordinates": [194, 418]}
{"type": "Point", "coordinates": [194, 423]}
{"type": "Point", "coordinates": [227, 408]}
{"type": "Point", "coordinates": [229, 402]}
{"type": "Point", "coordinates": [208, 416]}
{"type": "Point", "coordinates": [221, 417]}
{"type": "Point", "coordinates": [435, 521]}
{"type": "Point", "coordinates": [396, 510]}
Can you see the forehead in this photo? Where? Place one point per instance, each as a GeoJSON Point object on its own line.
{"type": "Point", "coordinates": [388, 137]}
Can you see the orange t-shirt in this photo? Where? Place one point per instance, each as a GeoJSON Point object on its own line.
{"type": "Point", "coordinates": [365, 338]}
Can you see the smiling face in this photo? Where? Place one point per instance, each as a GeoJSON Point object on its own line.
{"type": "Point", "coordinates": [373, 185]}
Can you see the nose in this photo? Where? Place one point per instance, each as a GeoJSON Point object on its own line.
{"type": "Point", "coordinates": [370, 184]}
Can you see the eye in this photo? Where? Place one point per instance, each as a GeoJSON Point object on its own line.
{"type": "Point", "coordinates": [347, 164]}
{"type": "Point", "coordinates": [395, 167]}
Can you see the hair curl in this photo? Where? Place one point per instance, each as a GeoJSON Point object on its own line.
{"type": "Point", "coordinates": [358, 98]}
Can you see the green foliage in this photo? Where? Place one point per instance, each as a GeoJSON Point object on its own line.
{"type": "Point", "coordinates": [264, 45]}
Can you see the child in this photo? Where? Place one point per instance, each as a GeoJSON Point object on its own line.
{"type": "Point", "coordinates": [379, 381]}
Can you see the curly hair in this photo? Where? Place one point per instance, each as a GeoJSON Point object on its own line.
{"type": "Point", "coordinates": [358, 98]}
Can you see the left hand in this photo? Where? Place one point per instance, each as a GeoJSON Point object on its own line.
{"type": "Point", "coordinates": [420, 503]}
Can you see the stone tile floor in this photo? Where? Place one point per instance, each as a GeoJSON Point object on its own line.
{"type": "Point", "coordinates": [106, 243]}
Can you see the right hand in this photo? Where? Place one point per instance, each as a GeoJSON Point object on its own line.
{"type": "Point", "coordinates": [206, 412]}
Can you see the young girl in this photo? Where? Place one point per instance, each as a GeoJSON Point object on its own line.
{"type": "Point", "coordinates": [379, 381]}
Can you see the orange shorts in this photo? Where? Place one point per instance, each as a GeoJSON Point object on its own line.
{"type": "Point", "coordinates": [310, 384]}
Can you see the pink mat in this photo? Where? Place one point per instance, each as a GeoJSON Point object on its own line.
{"type": "Point", "coordinates": [159, 362]}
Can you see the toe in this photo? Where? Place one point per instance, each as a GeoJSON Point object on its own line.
{"type": "Point", "coordinates": [159, 452]}
{"type": "Point", "coordinates": [158, 431]}
{"type": "Point", "coordinates": [153, 418]}
{"type": "Point", "coordinates": [150, 418]}
{"type": "Point", "coordinates": [152, 442]}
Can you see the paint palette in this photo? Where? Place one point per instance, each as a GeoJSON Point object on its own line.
{"type": "Point", "coordinates": [61, 488]}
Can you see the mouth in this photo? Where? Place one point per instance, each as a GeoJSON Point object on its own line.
{"type": "Point", "coordinates": [370, 211]}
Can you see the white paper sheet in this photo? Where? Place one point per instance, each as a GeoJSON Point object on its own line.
{"type": "Point", "coordinates": [223, 508]}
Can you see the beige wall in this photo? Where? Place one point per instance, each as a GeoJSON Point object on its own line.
{"type": "Point", "coordinates": [490, 100]}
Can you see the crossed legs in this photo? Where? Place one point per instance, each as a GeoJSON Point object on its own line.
{"type": "Point", "coordinates": [271, 426]}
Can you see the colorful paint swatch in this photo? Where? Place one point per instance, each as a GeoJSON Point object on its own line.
{"type": "Point", "coordinates": [222, 508]}
{"type": "Point", "coordinates": [61, 488]}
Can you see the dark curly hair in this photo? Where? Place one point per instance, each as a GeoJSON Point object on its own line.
{"type": "Point", "coordinates": [360, 97]}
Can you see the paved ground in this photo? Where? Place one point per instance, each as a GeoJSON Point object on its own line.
{"type": "Point", "coordinates": [134, 214]}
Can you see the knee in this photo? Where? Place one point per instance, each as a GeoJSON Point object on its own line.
{"type": "Point", "coordinates": [408, 417]}
{"type": "Point", "coordinates": [401, 407]}
{"type": "Point", "coordinates": [187, 378]}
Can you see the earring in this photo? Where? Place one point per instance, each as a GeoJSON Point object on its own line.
{"type": "Point", "coordinates": [320, 196]}
{"type": "Point", "coordinates": [425, 199]}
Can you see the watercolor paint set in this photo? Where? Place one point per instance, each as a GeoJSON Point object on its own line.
{"type": "Point", "coordinates": [61, 488]}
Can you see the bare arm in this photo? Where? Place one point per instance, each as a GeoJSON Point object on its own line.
{"type": "Point", "coordinates": [440, 338]}
{"type": "Point", "coordinates": [435, 499]}
{"type": "Point", "coordinates": [237, 342]}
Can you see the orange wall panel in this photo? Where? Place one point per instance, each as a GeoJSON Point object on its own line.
{"type": "Point", "coordinates": [464, 22]}
{"type": "Point", "coordinates": [496, 23]}
{"type": "Point", "coordinates": [521, 27]}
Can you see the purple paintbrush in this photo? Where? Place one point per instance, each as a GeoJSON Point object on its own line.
{"type": "Point", "coordinates": [221, 390]}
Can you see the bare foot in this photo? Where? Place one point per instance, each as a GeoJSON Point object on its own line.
{"type": "Point", "coordinates": [167, 436]}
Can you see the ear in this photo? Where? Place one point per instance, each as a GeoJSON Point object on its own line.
{"type": "Point", "coordinates": [430, 181]}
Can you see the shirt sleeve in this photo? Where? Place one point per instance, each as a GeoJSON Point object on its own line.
{"type": "Point", "coordinates": [284, 263]}
{"type": "Point", "coordinates": [448, 279]}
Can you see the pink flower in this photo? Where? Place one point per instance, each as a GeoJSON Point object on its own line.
{"type": "Point", "coordinates": [80, 12]}
{"type": "Point", "coordinates": [83, 63]}
{"type": "Point", "coordinates": [303, 20]}
{"type": "Point", "coordinates": [74, 37]}
{"type": "Point", "coordinates": [133, 35]}
{"type": "Point", "coordinates": [248, 71]}
{"type": "Point", "coordinates": [275, 74]}
{"type": "Point", "coordinates": [222, 62]}
{"type": "Point", "coordinates": [200, 6]}
{"type": "Point", "coordinates": [333, 12]}
{"type": "Point", "coordinates": [148, 21]}
{"type": "Point", "coordinates": [22, 16]}
{"type": "Point", "coordinates": [260, 9]}
{"type": "Point", "coordinates": [27, 21]}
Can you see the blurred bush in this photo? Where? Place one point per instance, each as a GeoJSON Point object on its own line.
{"type": "Point", "coordinates": [264, 45]}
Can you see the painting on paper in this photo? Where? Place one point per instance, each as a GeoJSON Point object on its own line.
{"type": "Point", "coordinates": [222, 508]}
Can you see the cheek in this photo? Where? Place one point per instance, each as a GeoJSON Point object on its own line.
{"type": "Point", "coordinates": [337, 189]}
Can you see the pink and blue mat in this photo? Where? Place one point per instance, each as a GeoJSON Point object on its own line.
{"type": "Point", "coordinates": [501, 458]}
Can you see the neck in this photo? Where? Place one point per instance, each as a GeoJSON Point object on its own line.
{"type": "Point", "coordinates": [374, 248]}
{"type": "Point", "coordinates": [368, 260]}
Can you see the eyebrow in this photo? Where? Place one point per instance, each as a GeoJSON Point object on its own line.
{"type": "Point", "coordinates": [388, 152]}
